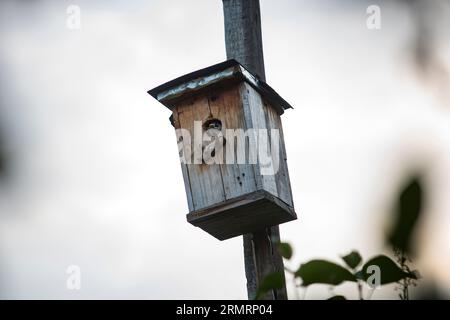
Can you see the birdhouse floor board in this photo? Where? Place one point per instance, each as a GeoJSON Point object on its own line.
{"type": "Point", "coordinates": [242, 215]}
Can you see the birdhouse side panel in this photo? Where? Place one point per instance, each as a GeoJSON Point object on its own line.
{"type": "Point", "coordinates": [282, 175]}
{"type": "Point", "coordinates": [203, 180]}
{"type": "Point", "coordinates": [255, 118]}
{"type": "Point", "coordinates": [259, 114]}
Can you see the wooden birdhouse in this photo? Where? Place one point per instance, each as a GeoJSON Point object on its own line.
{"type": "Point", "coordinates": [231, 146]}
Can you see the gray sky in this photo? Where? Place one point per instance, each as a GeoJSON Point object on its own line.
{"type": "Point", "coordinates": [96, 180]}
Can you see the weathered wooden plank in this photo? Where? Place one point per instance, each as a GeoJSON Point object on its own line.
{"type": "Point", "coordinates": [282, 176]}
{"type": "Point", "coordinates": [248, 213]}
{"type": "Point", "coordinates": [205, 179]}
{"type": "Point", "coordinates": [248, 120]}
{"type": "Point", "coordinates": [243, 37]}
{"type": "Point", "coordinates": [238, 179]}
{"type": "Point", "coordinates": [258, 121]}
{"type": "Point", "coordinates": [184, 169]}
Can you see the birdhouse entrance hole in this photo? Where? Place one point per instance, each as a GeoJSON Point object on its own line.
{"type": "Point", "coordinates": [213, 127]}
{"type": "Point", "coordinates": [212, 124]}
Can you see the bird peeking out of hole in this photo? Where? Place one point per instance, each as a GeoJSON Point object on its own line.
{"type": "Point", "coordinates": [213, 142]}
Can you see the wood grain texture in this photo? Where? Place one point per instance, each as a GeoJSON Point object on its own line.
{"type": "Point", "coordinates": [282, 180]}
{"type": "Point", "coordinates": [238, 179]}
{"type": "Point", "coordinates": [243, 38]}
{"type": "Point", "coordinates": [184, 168]}
{"type": "Point", "coordinates": [205, 180]}
{"type": "Point", "coordinates": [259, 121]}
{"type": "Point", "coordinates": [247, 213]}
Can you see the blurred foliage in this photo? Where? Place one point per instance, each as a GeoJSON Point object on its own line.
{"type": "Point", "coordinates": [353, 259]}
{"type": "Point", "coordinates": [405, 283]}
{"type": "Point", "coordinates": [273, 281]}
{"type": "Point", "coordinates": [427, 16]}
{"type": "Point", "coordinates": [408, 209]}
{"type": "Point", "coordinates": [330, 273]}
{"type": "Point", "coordinates": [407, 212]}
{"type": "Point", "coordinates": [2, 156]}
{"type": "Point", "coordinates": [338, 297]}
{"type": "Point", "coordinates": [285, 250]}
{"type": "Point", "coordinates": [325, 272]}
{"type": "Point", "coordinates": [390, 271]}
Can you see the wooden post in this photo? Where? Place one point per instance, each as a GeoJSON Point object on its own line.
{"type": "Point", "coordinates": [244, 43]}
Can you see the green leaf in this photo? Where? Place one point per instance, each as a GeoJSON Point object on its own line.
{"type": "Point", "coordinates": [408, 211]}
{"type": "Point", "coordinates": [337, 297]}
{"type": "Point", "coordinates": [285, 250]}
{"type": "Point", "coordinates": [353, 259]}
{"type": "Point", "coordinates": [359, 275]}
{"type": "Point", "coordinates": [272, 281]}
{"type": "Point", "coordinates": [322, 271]}
{"type": "Point", "coordinates": [390, 272]}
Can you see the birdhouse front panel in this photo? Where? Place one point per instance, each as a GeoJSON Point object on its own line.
{"type": "Point", "coordinates": [231, 146]}
{"type": "Point", "coordinates": [209, 184]}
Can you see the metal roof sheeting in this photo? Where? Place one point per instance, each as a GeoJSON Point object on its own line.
{"type": "Point", "coordinates": [221, 73]}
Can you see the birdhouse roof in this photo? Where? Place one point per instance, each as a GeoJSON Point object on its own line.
{"type": "Point", "coordinates": [217, 75]}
